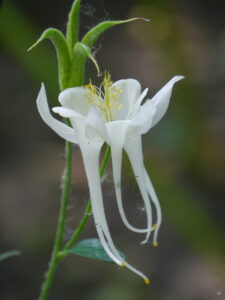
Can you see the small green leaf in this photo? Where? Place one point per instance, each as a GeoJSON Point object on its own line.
{"type": "Point", "coordinates": [91, 37]}
{"type": "Point", "coordinates": [73, 25]}
{"type": "Point", "coordinates": [91, 248]}
{"type": "Point", "coordinates": [9, 254]}
{"type": "Point", "coordinates": [62, 50]}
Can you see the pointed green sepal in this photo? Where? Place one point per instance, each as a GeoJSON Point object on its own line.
{"type": "Point", "coordinates": [73, 25]}
{"type": "Point", "coordinates": [91, 37]}
{"type": "Point", "coordinates": [85, 51]}
{"type": "Point", "coordinates": [62, 50]}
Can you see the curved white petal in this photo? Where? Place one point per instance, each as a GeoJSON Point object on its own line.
{"type": "Point", "coordinates": [133, 148]}
{"type": "Point", "coordinates": [60, 128]}
{"type": "Point", "coordinates": [90, 151]}
{"type": "Point", "coordinates": [75, 99]}
{"type": "Point", "coordinates": [162, 98]}
{"type": "Point", "coordinates": [95, 128]}
{"type": "Point", "coordinates": [66, 112]}
{"type": "Point", "coordinates": [155, 200]}
{"type": "Point", "coordinates": [131, 90]}
{"type": "Point", "coordinates": [117, 132]}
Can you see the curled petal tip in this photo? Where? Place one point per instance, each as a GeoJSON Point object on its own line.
{"type": "Point", "coordinates": [123, 264]}
{"type": "Point", "coordinates": [155, 244]}
{"type": "Point", "coordinates": [145, 19]}
{"type": "Point", "coordinates": [179, 77]}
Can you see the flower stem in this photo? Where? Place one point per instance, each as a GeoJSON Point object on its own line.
{"type": "Point", "coordinates": [88, 208]}
{"type": "Point", "coordinates": [61, 224]}
{"type": "Point", "coordinates": [55, 258]}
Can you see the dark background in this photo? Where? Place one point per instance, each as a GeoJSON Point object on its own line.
{"type": "Point", "coordinates": [184, 153]}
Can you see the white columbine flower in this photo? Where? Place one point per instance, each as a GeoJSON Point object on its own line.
{"type": "Point", "coordinates": [114, 114]}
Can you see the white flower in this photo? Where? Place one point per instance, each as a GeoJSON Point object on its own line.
{"type": "Point", "coordinates": [114, 114]}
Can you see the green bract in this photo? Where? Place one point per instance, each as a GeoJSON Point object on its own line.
{"type": "Point", "coordinates": [72, 53]}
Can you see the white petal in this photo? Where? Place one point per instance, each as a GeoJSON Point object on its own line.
{"type": "Point", "coordinates": [142, 121]}
{"type": "Point", "coordinates": [60, 128]}
{"type": "Point", "coordinates": [131, 91]}
{"type": "Point", "coordinates": [66, 112]}
{"type": "Point", "coordinates": [117, 133]}
{"type": "Point", "coordinates": [155, 200]}
{"type": "Point", "coordinates": [75, 99]}
{"type": "Point", "coordinates": [133, 111]}
{"type": "Point", "coordinates": [133, 148]}
{"type": "Point", "coordinates": [162, 98]}
{"type": "Point", "coordinates": [90, 151]}
{"type": "Point", "coordinates": [95, 127]}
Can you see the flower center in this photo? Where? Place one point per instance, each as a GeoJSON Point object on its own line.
{"type": "Point", "coordinates": [106, 98]}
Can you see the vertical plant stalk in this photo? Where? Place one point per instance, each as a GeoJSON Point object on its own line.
{"type": "Point", "coordinates": [55, 257]}
{"type": "Point", "coordinates": [61, 225]}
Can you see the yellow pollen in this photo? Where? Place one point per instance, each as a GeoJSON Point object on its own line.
{"type": "Point", "coordinates": [155, 244]}
{"type": "Point", "coordinates": [123, 263]}
{"type": "Point", "coordinates": [147, 281]}
{"type": "Point", "coordinates": [154, 226]}
{"type": "Point", "coordinates": [106, 98]}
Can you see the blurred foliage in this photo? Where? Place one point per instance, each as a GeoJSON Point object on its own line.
{"type": "Point", "coordinates": [17, 34]}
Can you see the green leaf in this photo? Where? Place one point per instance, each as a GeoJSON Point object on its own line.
{"type": "Point", "coordinates": [91, 248]}
{"type": "Point", "coordinates": [73, 25]}
{"type": "Point", "coordinates": [9, 254]}
{"type": "Point", "coordinates": [62, 50]}
{"type": "Point", "coordinates": [91, 37]}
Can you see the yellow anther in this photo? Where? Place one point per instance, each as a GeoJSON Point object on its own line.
{"type": "Point", "coordinates": [106, 98]}
{"type": "Point", "coordinates": [154, 226]}
{"type": "Point", "coordinates": [147, 281]}
{"type": "Point", "coordinates": [123, 263]}
{"type": "Point", "coordinates": [155, 244]}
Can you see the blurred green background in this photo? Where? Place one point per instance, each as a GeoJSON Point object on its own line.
{"type": "Point", "coordinates": [184, 153]}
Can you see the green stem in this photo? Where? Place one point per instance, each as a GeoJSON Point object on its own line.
{"type": "Point", "coordinates": [61, 224]}
{"type": "Point", "coordinates": [88, 208]}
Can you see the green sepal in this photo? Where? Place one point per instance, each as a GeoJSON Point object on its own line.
{"type": "Point", "coordinates": [92, 248]}
{"type": "Point", "coordinates": [92, 35]}
{"type": "Point", "coordinates": [62, 51]}
{"type": "Point", "coordinates": [9, 254]}
{"type": "Point", "coordinates": [82, 49]}
{"type": "Point", "coordinates": [73, 25]}
{"type": "Point", "coordinates": [80, 54]}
